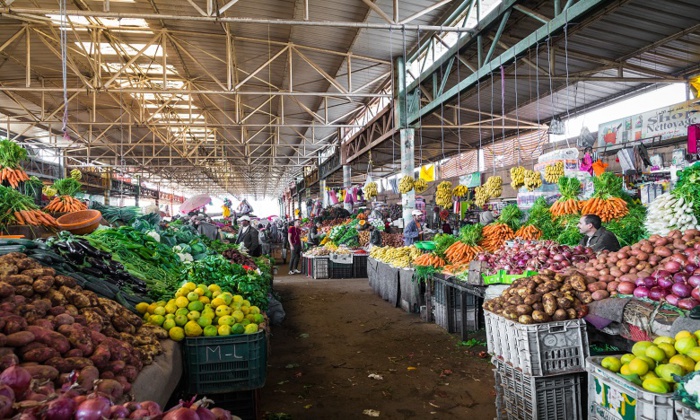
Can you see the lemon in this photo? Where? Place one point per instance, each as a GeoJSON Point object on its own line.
{"type": "Point", "coordinates": [217, 301]}
{"type": "Point", "coordinates": [181, 292]}
{"type": "Point", "coordinates": [182, 302]}
{"type": "Point", "coordinates": [209, 313]}
{"type": "Point", "coordinates": [250, 317]}
{"type": "Point", "coordinates": [238, 316]}
{"type": "Point", "coordinates": [694, 354]}
{"type": "Point", "coordinates": [182, 311]}
{"type": "Point", "coordinates": [208, 294]}
{"type": "Point", "coordinates": [224, 330]}
{"type": "Point", "coordinates": [210, 331]}
{"type": "Point", "coordinates": [245, 303]}
{"type": "Point", "coordinates": [171, 307]}
{"type": "Point", "coordinates": [204, 321]}
{"type": "Point", "coordinates": [237, 299]}
{"type": "Point", "coordinates": [176, 334]}
{"type": "Point", "coordinates": [204, 299]}
{"type": "Point", "coordinates": [181, 320]}
{"type": "Point", "coordinates": [626, 358]}
{"type": "Point", "coordinates": [192, 296]}
{"type": "Point", "coordinates": [245, 322]}
{"type": "Point", "coordinates": [169, 316]}
{"type": "Point", "coordinates": [259, 318]}
{"type": "Point", "coordinates": [625, 369]}
{"type": "Point", "coordinates": [159, 311]}
{"type": "Point", "coordinates": [142, 307]}
{"type": "Point", "coordinates": [196, 306]}
{"type": "Point", "coordinates": [214, 288]}
{"type": "Point", "coordinates": [640, 348]}
{"type": "Point", "coordinates": [168, 324]}
{"type": "Point", "coordinates": [160, 303]}
{"type": "Point", "coordinates": [227, 320]}
{"type": "Point", "coordinates": [663, 339]}
{"type": "Point", "coordinates": [194, 315]}
{"type": "Point", "coordinates": [215, 294]}
{"type": "Point", "coordinates": [251, 329]}
{"type": "Point", "coordinates": [227, 297]}
{"type": "Point", "coordinates": [237, 329]}
{"type": "Point", "coordinates": [685, 344]}
{"type": "Point", "coordinates": [650, 362]}
{"type": "Point", "coordinates": [655, 353]}
{"type": "Point", "coordinates": [199, 291]}
{"type": "Point", "coordinates": [156, 320]}
{"type": "Point", "coordinates": [668, 349]}
{"type": "Point", "coordinates": [223, 310]}
{"type": "Point", "coordinates": [152, 307]}
{"type": "Point", "coordinates": [638, 366]}
{"type": "Point", "coordinates": [655, 385]}
{"type": "Point", "coordinates": [146, 316]}
{"type": "Point", "coordinates": [683, 334]}
{"type": "Point", "coordinates": [254, 310]}
{"type": "Point", "coordinates": [192, 329]}
{"type": "Point", "coordinates": [189, 286]}
{"type": "Point", "coordinates": [245, 310]}
{"type": "Point", "coordinates": [203, 286]}
{"type": "Point", "coordinates": [683, 361]}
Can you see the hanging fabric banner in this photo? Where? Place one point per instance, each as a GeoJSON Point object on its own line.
{"type": "Point", "coordinates": [427, 173]}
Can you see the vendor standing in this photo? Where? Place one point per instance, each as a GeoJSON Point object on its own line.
{"type": "Point", "coordinates": [413, 230]}
{"type": "Point", "coordinates": [595, 236]}
{"type": "Point", "coordinates": [486, 216]}
{"type": "Point", "coordinates": [248, 237]}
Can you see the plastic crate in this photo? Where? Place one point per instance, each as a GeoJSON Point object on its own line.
{"type": "Point", "coordinates": [524, 397]}
{"type": "Point", "coordinates": [225, 364]}
{"type": "Point", "coordinates": [341, 271]}
{"type": "Point", "coordinates": [440, 314]}
{"type": "Point", "coordinates": [243, 404]}
{"type": "Point", "coordinates": [550, 348]}
{"type": "Point", "coordinates": [304, 263]}
{"type": "Point", "coordinates": [360, 266]}
{"type": "Point", "coordinates": [611, 397]}
{"type": "Point", "coordinates": [320, 268]}
{"type": "Point", "coordinates": [685, 412]}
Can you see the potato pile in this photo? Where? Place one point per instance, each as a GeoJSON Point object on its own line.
{"type": "Point", "coordinates": [546, 297]}
{"type": "Point", "coordinates": [51, 326]}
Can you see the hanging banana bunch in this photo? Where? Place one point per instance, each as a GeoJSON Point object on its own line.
{"type": "Point", "coordinates": [420, 185]}
{"type": "Point", "coordinates": [552, 173]}
{"type": "Point", "coordinates": [406, 184]}
{"type": "Point", "coordinates": [460, 191]}
{"type": "Point", "coordinates": [480, 196]}
{"type": "Point", "coordinates": [517, 177]}
{"type": "Point", "coordinates": [533, 180]}
{"type": "Point", "coordinates": [76, 174]}
{"type": "Point", "coordinates": [494, 186]}
{"type": "Point", "coordinates": [443, 194]}
{"type": "Point", "coordinates": [370, 190]}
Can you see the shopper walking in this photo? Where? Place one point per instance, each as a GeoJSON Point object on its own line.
{"type": "Point", "coordinates": [294, 235]}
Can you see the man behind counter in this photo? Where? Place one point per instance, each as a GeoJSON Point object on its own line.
{"type": "Point", "coordinates": [595, 236]}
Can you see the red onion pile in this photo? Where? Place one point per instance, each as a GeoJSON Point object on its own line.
{"type": "Point", "coordinates": [535, 255]}
{"type": "Point", "coordinates": [660, 268]}
{"type": "Point", "coordinates": [30, 399]}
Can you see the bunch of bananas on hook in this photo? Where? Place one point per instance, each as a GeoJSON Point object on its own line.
{"type": "Point", "coordinates": [370, 190]}
{"type": "Point", "coordinates": [552, 173]}
{"type": "Point", "coordinates": [420, 185]}
{"type": "Point", "coordinates": [443, 194]}
{"type": "Point", "coordinates": [460, 191]}
{"type": "Point", "coordinates": [406, 184]}
{"type": "Point", "coordinates": [533, 180]}
{"type": "Point", "coordinates": [517, 177]}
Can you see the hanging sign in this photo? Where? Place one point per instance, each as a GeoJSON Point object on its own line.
{"type": "Point", "coordinates": [471, 181]}
{"type": "Point", "coordinates": [663, 123]}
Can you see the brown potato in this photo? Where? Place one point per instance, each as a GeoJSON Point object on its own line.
{"type": "Point", "coordinates": [550, 304]}
{"type": "Point", "coordinates": [560, 315]}
{"type": "Point", "coordinates": [525, 319]}
{"type": "Point", "coordinates": [523, 310]}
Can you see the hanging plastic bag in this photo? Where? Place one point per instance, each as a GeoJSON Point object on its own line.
{"type": "Point", "coordinates": [599, 167]}
{"type": "Point", "coordinates": [333, 197]}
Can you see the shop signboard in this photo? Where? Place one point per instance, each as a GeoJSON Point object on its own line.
{"type": "Point", "coordinates": [663, 123]}
{"type": "Point", "coordinates": [472, 180]}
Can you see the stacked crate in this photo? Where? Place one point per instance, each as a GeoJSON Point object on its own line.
{"type": "Point", "coordinates": [539, 368]}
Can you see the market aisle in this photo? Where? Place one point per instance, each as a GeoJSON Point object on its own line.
{"type": "Point", "coordinates": [337, 333]}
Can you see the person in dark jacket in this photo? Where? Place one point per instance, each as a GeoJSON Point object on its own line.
{"type": "Point", "coordinates": [375, 237]}
{"type": "Point", "coordinates": [595, 235]}
{"type": "Point", "coordinates": [248, 237]}
{"type": "Point", "coordinates": [446, 228]}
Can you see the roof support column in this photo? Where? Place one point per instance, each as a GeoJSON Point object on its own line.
{"type": "Point", "coordinates": [347, 183]}
{"type": "Point", "coordinates": [408, 200]}
{"type": "Point", "coordinates": [324, 196]}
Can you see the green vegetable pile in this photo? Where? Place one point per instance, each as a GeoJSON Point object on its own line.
{"type": "Point", "coordinates": [510, 215]}
{"type": "Point", "coordinates": [471, 234]}
{"type": "Point", "coordinates": [67, 186]}
{"type": "Point", "coordinates": [540, 217]}
{"type": "Point", "coordinates": [688, 186]}
{"type": "Point", "coordinates": [569, 188]}
{"type": "Point", "coordinates": [11, 201]}
{"type": "Point", "coordinates": [608, 185]}
{"type": "Point", "coordinates": [117, 215]}
{"type": "Point", "coordinates": [630, 229]}
{"type": "Point", "coordinates": [570, 234]}
{"type": "Point", "coordinates": [11, 154]}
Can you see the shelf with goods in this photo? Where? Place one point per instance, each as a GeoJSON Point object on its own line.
{"type": "Point", "coordinates": [110, 306]}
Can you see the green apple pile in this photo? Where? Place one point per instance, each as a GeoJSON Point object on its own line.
{"type": "Point", "coordinates": [655, 365]}
{"type": "Point", "coordinates": [203, 310]}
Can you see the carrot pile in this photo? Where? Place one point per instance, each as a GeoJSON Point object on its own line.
{"type": "Point", "coordinates": [65, 204]}
{"type": "Point", "coordinates": [455, 268]}
{"type": "Point", "coordinates": [607, 209]}
{"type": "Point", "coordinates": [429, 259]}
{"type": "Point", "coordinates": [528, 233]}
{"type": "Point", "coordinates": [460, 253]}
{"type": "Point", "coordinates": [13, 176]}
{"type": "Point", "coordinates": [34, 218]}
{"type": "Point", "coordinates": [495, 235]}
{"type": "Point", "coordinates": [562, 208]}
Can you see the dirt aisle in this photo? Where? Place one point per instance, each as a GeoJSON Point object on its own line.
{"type": "Point", "coordinates": [338, 332]}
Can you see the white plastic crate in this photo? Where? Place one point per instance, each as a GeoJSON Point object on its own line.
{"type": "Point", "coordinates": [320, 268]}
{"type": "Point", "coordinates": [684, 412]}
{"type": "Point", "coordinates": [611, 397]}
{"type": "Point", "coordinates": [551, 348]}
{"type": "Point", "coordinates": [524, 397]}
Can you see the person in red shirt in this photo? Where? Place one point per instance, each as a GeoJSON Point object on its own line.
{"type": "Point", "coordinates": [294, 236]}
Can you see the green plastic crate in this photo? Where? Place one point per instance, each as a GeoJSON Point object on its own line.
{"type": "Point", "coordinates": [225, 364]}
{"type": "Point", "coordinates": [494, 278]}
{"type": "Point", "coordinates": [510, 278]}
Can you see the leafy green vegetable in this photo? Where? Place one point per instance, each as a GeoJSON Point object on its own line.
{"type": "Point", "coordinates": [629, 229]}
{"type": "Point", "coordinates": [688, 186]}
{"type": "Point", "coordinates": [11, 154]}
{"type": "Point", "coordinates": [113, 214]}
{"type": "Point", "coordinates": [570, 234]}
{"type": "Point", "coordinates": [608, 185]}
{"type": "Point", "coordinates": [424, 273]}
{"type": "Point", "coordinates": [471, 234]}
{"type": "Point", "coordinates": [540, 216]}
{"type": "Point", "coordinates": [569, 188]}
{"type": "Point", "coordinates": [67, 186]}
{"type": "Point", "coordinates": [442, 242]}
{"type": "Point", "coordinates": [11, 201]}
{"type": "Point", "coordinates": [510, 215]}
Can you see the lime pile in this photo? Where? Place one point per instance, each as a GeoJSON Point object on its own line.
{"type": "Point", "coordinates": [201, 310]}
{"type": "Point", "coordinates": [656, 365]}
